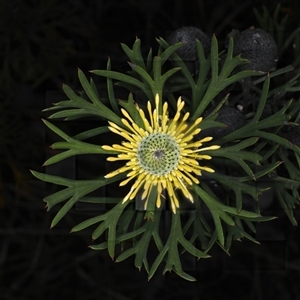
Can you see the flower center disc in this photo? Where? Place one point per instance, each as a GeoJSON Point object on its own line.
{"type": "Point", "coordinates": [158, 153]}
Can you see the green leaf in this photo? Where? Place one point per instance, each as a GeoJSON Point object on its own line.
{"type": "Point", "coordinates": [76, 189]}
{"type": "Point", "coordinates": [289, 40]}
{"type": "Point", "coordinates": [274, 74]}
{"type": "Point", "coordinates": [135, 54]}
{"type": "Point", "coordinates": [57, 130]}
{"type": "Point", "coordinates": [294, 171]}
{"type": "Point", "coordinates": [179, 63]}
{"type": "Point", "coordinates": [250, 130]}
{"type": "Point", "coordinates": [72, 96]}
{"type": "Point", "coordinates": [71, 113]}
{"type": "Point", "coordinates": [220, 81]}
{"type": "Point", "coordinates": [101, 200]}
{"type": "Point", "coordinates": [170, 249]}
{"type": "Point", "coordinates": [279, 140]}
{"type": "Point", "coordinates": [144, 75]}
{"type": "Point", "coordinates": [110, 90]}
{"type": "Point", "coordinates": [234, 153]}
{"type": "Point", "coordinates": [143, 244]}
{"type": "Point", "coordinates": [149, 61]}
{"type": "Point", "coordinates": [212, 241]}
{"type": "Point", "coordinates": [131, 108]}
{"type": "Point", "coordinates": [262, 101]}
{"type": "Point", "coordinates": [109, 222]}
{"type": "Point", "coordinates": [75, 147]}
{"type": "Point", "coordinates": [52, 179]}
{"type": "Point", "coordinates": [214, 54]}
{"type": "Point", "coordinates": [79, 190]}
{"type": "Point", "coordinates": [94, 87]}
{"type": "Point", "coordinates": [121, 238]}
{"type": "Point", "coordinates": [140, 248]}
{"type": "Point", "coordinates": [89, 222]}
{"type": "Point", "coordinates": [158, 261]}
{"type": "Point", "coordinates": [59, 157]}
{"type": "Point", "coordinates": [121, 77]}
{"type": "Point", "coordinates": [165, 55]}
{"type": "Point", "coordinates": [58, 197]}
{"type": "Point", "coordinates": [91, 133]}
{"type": "Point", "coordinates": [102, 109]}
{"type": "Point", "coordinates": [216, 210]}
{"type": "Point", "coordinates": [124, 255]}
{"type": "Point", "coordinates": [281, 195]}
{"type": "Point", "coordinates": [262, 171]}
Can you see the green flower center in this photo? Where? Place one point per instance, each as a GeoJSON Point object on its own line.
{"type": "Point", "coordinates": [158, 153]}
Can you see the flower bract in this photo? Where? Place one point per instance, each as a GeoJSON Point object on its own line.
{"type": "Point", "coordinates": [163, 155]}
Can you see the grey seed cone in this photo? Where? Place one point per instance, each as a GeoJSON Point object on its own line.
{"type": "Point", "coordinates": [258, 47]}
{"type": "Point", "coordinates": [188, 35]}
{"type": "Point", "coordinates": [231, 117]}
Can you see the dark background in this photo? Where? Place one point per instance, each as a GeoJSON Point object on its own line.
{"type": "Point", "coordinates": [41, 45]}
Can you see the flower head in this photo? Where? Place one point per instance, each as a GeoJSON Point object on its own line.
{"type": "Point", "coordinates": [163, 155]}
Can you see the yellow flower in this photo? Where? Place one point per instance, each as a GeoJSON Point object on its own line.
{"type": "Point", "coordinates": [162, 155]}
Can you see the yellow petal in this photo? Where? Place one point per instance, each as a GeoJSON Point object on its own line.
{"type": "Point", "coordinates": [200, 157]}
{"type": "Point", "coordinates": [127, 197]}
{"type": "Point", "coordinates": [158, 200]}
{"type": "Point", "coordinates": [173, 206]}
{"type": "Point", "coordinates": [157, 102]}
{"type": "Point", "coordinates": [150, 113]}
{"type": "Point", "coordinates": [125, 113]}
{"type": "Point", "coordinates": [180, 104]}
{"type": "Point", "coordinates": [118, 158]}
{"type": "Point", "coordinates": [206, 139]}
{"type": "Point", "coordinates": [147, 188]}
{"type": "Point", "coordinates": [126, 123]}
{"type": "Point", "coordinates": [207, 169]}
{"type": "Point", "coordinates": [108, 148]}
{"type": "Point", "coordinates": [124, 134]}
{"type": "Point", "coordinates": [136, 189]}
{"type": "Point", "coordinates": [215, 147]}
{"type": "Point", "coordinates": [124, 182]}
